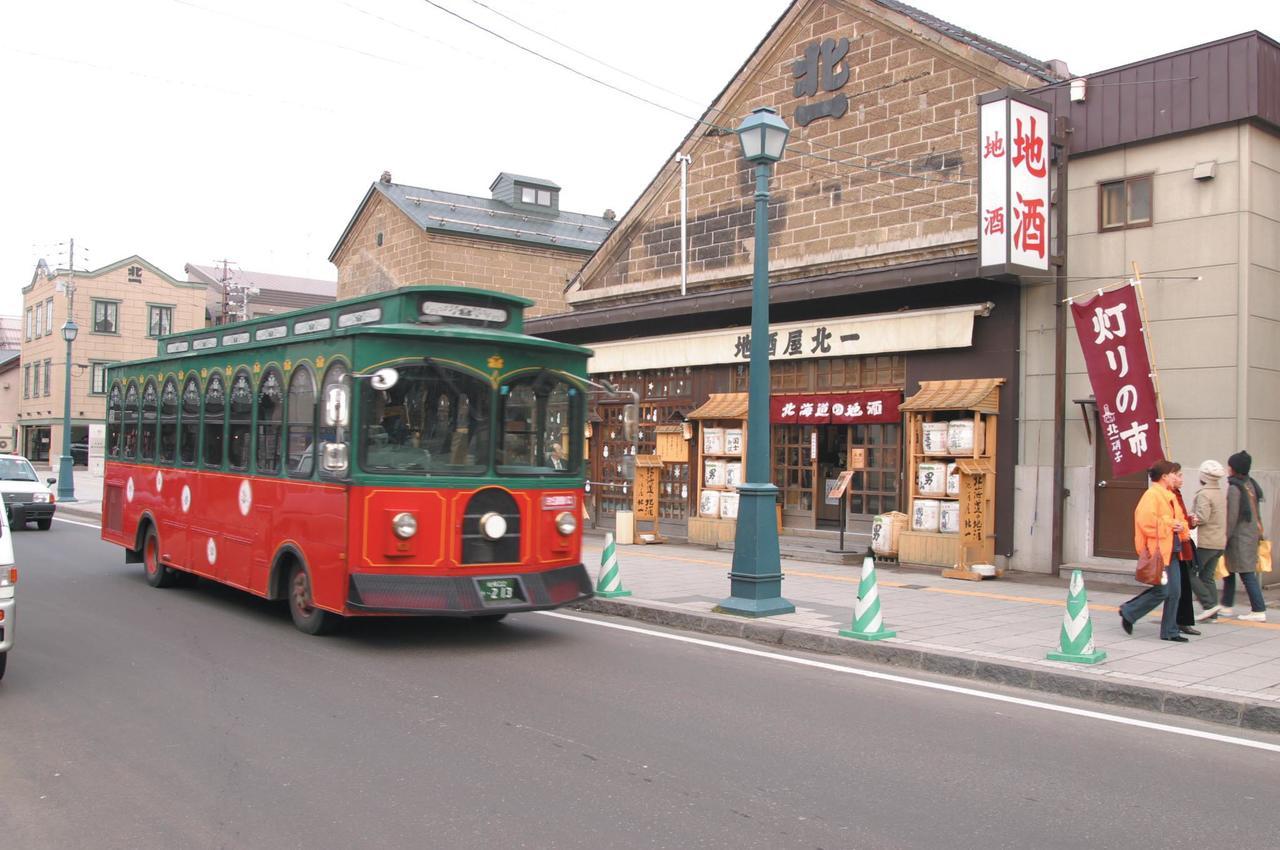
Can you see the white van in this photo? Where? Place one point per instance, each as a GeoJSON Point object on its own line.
{"type": "Point", "coordinates": [8, 579]}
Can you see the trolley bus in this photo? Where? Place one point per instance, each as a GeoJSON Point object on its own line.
{"type": "Point", "coordinates": [409, 452]}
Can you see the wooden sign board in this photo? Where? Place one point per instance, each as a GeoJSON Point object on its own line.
{"type": "Point", "coordinates": [857, 458]}
{"type": "Point", "coordinates": [672, 446]}
{"type": "Point", "coordinates": [645, 495]}
{"type": "Point", "coordinates": [973, 508]}
{"type": "Point", "coordinates": [842, 484]}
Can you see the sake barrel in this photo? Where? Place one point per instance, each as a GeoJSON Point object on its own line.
{"type": "Point", "coordinates": [953, 480]}
{"type": "Point", "coordinates": [949, 518]}
{"type": "Point", "coordinates": [931, 479]}
{"type": "Point", "coordinates": [933, 438]}
{"type": "Point", "coordinates": [924, 515]}
{"type": "Point", "coordinates": [960, 437]}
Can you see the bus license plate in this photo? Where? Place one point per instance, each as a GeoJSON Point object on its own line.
{"type": "Point", "coordinates": [500, 591]}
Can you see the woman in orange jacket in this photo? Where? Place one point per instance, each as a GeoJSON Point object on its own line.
{"type": "Point", "coordinates": [1157, 528]}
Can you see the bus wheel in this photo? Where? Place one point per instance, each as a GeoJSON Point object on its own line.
{"type": "Point", "coordinates": [307, 617]}
{"type": "Point", "coordinates": [158, 575]}
{"type": "Point", "coordinates": [489, 618]}
{"type": "Point", "coordinates": [4, 661]}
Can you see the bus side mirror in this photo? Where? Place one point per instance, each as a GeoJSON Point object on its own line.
{"type": "Point", "coordinates": [333, 458]}
{"type": "Point", "coordinates": [384, 379]}
{"type": "Point", "coordinates": [630, 421]}
{"type": "Point", "coordinates": [337, 410]}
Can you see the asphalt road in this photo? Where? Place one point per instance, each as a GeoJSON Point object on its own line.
{"type": "Point", "coordinates": [199, 717]}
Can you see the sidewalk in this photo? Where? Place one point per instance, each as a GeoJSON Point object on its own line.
{"type": "Point", "coordinates": [997, 631]}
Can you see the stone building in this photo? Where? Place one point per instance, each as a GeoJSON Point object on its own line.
{"type": "Point", "coordinates": [120, 310]}
{"type": "Point", "coordinates": [518, 240]}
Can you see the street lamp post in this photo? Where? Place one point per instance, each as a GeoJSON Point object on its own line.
{"type": "Point", "coordinates": [66, 480]}
{"type": "Point", "coordinates": [755, 582]}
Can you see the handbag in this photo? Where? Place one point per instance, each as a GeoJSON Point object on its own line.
{"type": "Point", "coordinates": [1150, 570]}
{"type": "Point", "coordinates": [1264, 545]}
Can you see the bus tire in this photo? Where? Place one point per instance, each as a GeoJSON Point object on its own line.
{"type": "Point", "coordinates": [158, 575]}
{"type": "Point", "coordinates": [44, 524]}
{"type": "Point", "coordinates": [308, 618]}
{"type": "Point", "coordinates": [4, 661]}
{"type": "Point", "coordinates": [488, 618]}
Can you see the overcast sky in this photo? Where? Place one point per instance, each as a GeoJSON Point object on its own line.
{"type": "Point", "coordinates": [198, 130]}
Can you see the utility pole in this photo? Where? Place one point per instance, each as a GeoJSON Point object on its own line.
{"type": "Point", "coordinates": [222, 281]}
{"type": "Point", "coordinates": [66, 476]}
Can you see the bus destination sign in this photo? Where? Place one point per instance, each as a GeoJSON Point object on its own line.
{"type": "Point", "coordinates": [465, 312]}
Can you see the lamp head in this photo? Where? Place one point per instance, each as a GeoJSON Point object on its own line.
{"type": "Point", "coordinates": [763, 136]}
{"type": "Point", "coordinates": [69, 330]}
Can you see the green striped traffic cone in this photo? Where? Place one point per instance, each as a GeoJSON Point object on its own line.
{"type": "Point", "coordinates": [1077, 630]}
{"type": "Point", "coordinates": [867, 623]}
{"type": "Point", "coordinates": [609, 582]}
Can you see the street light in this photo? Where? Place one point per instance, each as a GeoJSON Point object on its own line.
{"type": "Point", "coordinates": [66, 480]}
{"type": "Point", "coordinates": [755, 582]}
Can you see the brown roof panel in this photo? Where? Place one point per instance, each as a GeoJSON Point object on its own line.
{"type": "Point", "coordinates": [722, 406]}
{"type": "Point", "coordinates": [980, 394]}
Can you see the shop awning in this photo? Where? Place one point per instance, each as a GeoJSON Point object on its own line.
{"type": "Point", "coordinates": [978, 394]}
{"type": "Point", "coordinates": [722, 406]}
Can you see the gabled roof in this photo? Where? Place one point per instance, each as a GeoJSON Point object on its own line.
{"type": "Point", "coordinates": [485, 218]}
{"type": "Point", "coordinates": [132, 260]}
{"type": "Point", "coordinates": [9, 360]}
{"type": "Point", "coordinates": [264, 280]}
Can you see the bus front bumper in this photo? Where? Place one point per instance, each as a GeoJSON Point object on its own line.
{"type": "Point", "coordinates": [461, 596]}
{"type": "Point", "coordinates": [7, 608]}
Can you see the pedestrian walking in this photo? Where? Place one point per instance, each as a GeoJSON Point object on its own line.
{"type": "Point", "coordinates": [1244, 531]}
{"type": "Point", "coordinates": [1155, 530]}
{"type": "Point", "coordinates": [1186, 554]}
{"type": "Point", "coordinates": [1210, 512]}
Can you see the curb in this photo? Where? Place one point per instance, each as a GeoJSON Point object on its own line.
{"type": "Point", "coordinates": [1241, 713]}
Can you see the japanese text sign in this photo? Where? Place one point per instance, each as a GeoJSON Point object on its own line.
{"type": "Point", "coordinates": [835, 408]}
{"type": "Point", "coordinates": [1115, 355]}
{"type": "Point", "coordinates": [1013, 195]}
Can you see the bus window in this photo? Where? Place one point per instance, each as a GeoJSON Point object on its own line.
{"type": "Point", "coordinates": [432, 420]}
{"type": "Point", "coordinates": [215, 415]}
{"type": "Point", "coordinates": [335, 422]}
{"type": "Point", "coordinates": [115, 403]}
{"type": "Point", "coordinates": [270, 417]}
{"type": "Point", "coordinates": [189, 433]}
{"type": "Point", "coordinates": [130, 449]}
{"type": "Point", "coordinates": [169, 421]}
{"type": "Point", "coordinates": [301, 435]}
{"type": "Point", "coordinates": [240, 421]}
{"type": "Point", "coordinates": [541, 426]}
{"type": "Point", "coordinates": [150, 410]}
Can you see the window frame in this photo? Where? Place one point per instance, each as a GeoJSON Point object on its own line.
{"type": "Point", "coordinates": [183, 424]}
{"type": "Point", "coordinates": [130, 385]}
{"type": "Point", "coordinates": [168, 421]}
{"type": "Point", "coordinates": [48, 316]}
{"type": "Point", "coordinates": [276, 421]}
{"type": "Point", "coordinates": [214, 375]}
{"type": "Point", "coordinates": [48, 367]}
{"type": "Point", "coordinates": [245, 422]}
{"type": "Point", "coordinates": [155, 310]}
{"type": "Point", "coordinates": [99, 368]}
{"type": "Point", "coordinates": [290, 425]}
{"type": "Point", "coordinates": [1128, 183]}
{"type": "Point", "coordinates": [145, 425]}
{"type": "Point", "coordinates": [93, 316]}
{"type": "Point", "coordinates": [115, 404]}
{"type": "Point", "coordinates": [26, 380]}
{"type": "Point", "coordinates": [39, 322]}
{"type": "Point", "coordinates": [30, 324]}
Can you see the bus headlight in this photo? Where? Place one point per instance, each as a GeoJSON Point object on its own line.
{"type": "Point", "coordinates": [493, 525]}
{"type": "Point", "coordinates": [42, 498]}
{"type": "Point", "coordinates": [566, 523]}
{"type": "Point", "coordinates": [405, 525]}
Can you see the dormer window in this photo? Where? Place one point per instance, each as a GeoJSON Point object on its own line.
{"type": "Point", "coordinates": [530, 195]}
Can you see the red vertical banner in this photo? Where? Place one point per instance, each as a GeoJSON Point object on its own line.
{"type": "Point", "coordinates": [1112, 338]}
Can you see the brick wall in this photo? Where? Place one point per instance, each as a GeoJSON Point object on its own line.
{"type": "Point", "coordinates": [409, 256]}
{"type": "Point", "coordinates": [891, 181]}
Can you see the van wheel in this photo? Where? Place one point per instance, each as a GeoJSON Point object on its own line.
{"type": "Point", "coordinates": [307, 617]}
{"type": "Point", "coordinates": [43, 524]}
{"type": "Point", "coordinates": [158, 575]}
{"type": "Point", "coordinates": [4, 659]}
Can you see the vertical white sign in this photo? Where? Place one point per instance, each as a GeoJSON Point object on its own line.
{"type": "Point", "coordinates": [1028, 186]}
{"type": "Point", "coordinates": [993, 156]}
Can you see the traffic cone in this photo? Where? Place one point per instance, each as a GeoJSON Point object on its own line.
{"type": "Point", "coordinates": [609, 581]}
{"type": "Point", "coordinates": [867, 623]}
{"type": "Point", "coordinates": [1077, 630]}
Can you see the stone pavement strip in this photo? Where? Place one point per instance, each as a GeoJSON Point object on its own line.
{"type": "Point", "coordinates": [997, 631]}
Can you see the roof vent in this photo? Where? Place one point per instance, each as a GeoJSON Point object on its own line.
{"type": "Point", "coordinates": [385, 178]}
{"type": "Point", "coordinates": [609, 215]}
{"type": "Point", "coordinates": [1078, 86]}
{"type": "Point", "coordinates": [1058, 67]}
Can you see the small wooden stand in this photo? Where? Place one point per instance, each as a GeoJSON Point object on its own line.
{"type": "Point", "coordinates": [721, 442]}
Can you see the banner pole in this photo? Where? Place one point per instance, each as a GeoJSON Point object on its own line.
{"type": "Point", "coordinates": [1151, 357]}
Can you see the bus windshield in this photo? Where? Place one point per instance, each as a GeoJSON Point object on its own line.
{"type": "Point", "coordinates": [541, 417]}
{"type": "Point", "coordinates": [433, 419]}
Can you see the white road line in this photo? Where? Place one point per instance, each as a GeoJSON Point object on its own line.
{"type": "Point", "coordinates": [74, 522]}
{"type": "Point", "coordinates": [923, 683]}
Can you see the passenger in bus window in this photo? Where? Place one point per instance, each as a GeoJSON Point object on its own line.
{"type": "Point", "coordinates": [555, 456]}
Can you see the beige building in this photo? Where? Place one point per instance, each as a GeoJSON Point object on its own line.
{"type": "Point", "coordinates": [518, 240]}
{"type": "Point", "coordinates": [1182, 176]}
{"type": "Point", "coordinates": [120, 309]}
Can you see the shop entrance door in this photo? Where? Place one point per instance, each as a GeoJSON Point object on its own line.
{"type": "Point", "coordinates": [833, 445]}
{"type": "Point", "coordinates": [1114, 500]}
{"type": "Point", "coordinates": [875, 489]}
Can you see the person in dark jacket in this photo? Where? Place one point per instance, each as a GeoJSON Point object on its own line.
{"type": "Point", "coordinates": [1244, 531]}
{"type": "Point", "coordinates": [1186, 555]}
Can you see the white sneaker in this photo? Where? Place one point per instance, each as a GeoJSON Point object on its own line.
{"type": "Point", "coordinates": [1254, 617]}
{"type": "Point", "coordinates": [1208, 613]}
{"type": "Point", "coordinates": [1224, 611]}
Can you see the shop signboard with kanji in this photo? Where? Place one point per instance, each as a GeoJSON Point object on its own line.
{"type": "Point", "coordinates": [1114, 343]}
{"type": "Point", "coordinates": [1014, 152]}
{"type": "Point", "coordinates": [835, 408]}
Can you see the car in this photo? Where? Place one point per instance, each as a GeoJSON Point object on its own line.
{"type": "Point", "coordinates": [80, 453]}
{"type": "Point", "coordinates": [8, 579]}
{"type": "Point", "coordinates": [26, 498]}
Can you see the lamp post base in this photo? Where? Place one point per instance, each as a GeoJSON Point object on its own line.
{"type": "Point", "coordinates": [755, 583]}
{"type": "Point", "coordinates": [66, 479]}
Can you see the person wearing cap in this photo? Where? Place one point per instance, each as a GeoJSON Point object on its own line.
{"type": "Point", "coordinates": [1156, 529]}
{"type": "Point", "coordinates": [1210, 513]}
{"type": "Point", "coordinates": [1244, 531]}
